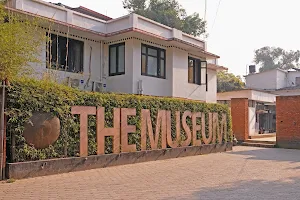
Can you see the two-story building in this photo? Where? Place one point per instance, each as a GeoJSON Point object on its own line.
{"type": "Point", "coordinates": [130, 54]}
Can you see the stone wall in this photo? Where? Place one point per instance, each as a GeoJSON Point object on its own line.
{"type": "Point", "coordinates": [288, 121]}
{"type": "Point", "coordinates": [65, 165]}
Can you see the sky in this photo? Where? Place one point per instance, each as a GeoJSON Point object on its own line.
{"type": "Point", "coordinates": [241, 26]}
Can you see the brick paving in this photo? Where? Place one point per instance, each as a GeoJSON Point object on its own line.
{"type": "Point", "coordinates": [245, 173]}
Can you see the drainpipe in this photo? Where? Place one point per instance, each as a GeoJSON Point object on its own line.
{"type": "Point", "coordinates": [102, 65]}
{"type": "Point", "coordinates": [101, 50]}
{"type": "Point", "coordinates": [2, 131]}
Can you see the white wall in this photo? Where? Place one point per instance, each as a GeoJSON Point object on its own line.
{"type": "Point", "coordinates": [151, 85]}
{"type": "Point", "coordinates": [40, 67]}
{"type": "Point", "coordinates": [121, 83]}
{"type": "Point", "coordinates": [264, 80]}
{"type": "Point", "coordinates": [181, 86]}
{"type": "Point", "coordinates": [249, 94]}
{"type": "Point", "coordinates": [281, 79]}
{"type": "Point", "coordinates": [291, 76]}
{"type": "Point", "coordinates": [175, 84]}
{"type": "Point", "coordinates": [59, 13]}
{"type": "Point", "coordinates": [252, 120]}
{"type": "Point", "coordinates": [211, 94]}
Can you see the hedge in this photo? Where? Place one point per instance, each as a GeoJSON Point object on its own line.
{"type": "Point", "coordinates": [26, 96]}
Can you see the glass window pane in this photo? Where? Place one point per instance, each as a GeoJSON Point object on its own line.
{"type": "Point", "coordinates": [162, 54]}
{"type": "Point", "coordinates": [75, 52]}
{"type": "Point", "coordinates": [152, 52]}
{"type": "Point", "coordinates": [152, 66]}
{"type": "Point", "coordinates": [203, 72]}
{"type": "Point", "coordinates": [143, 64]}
{"type": "Point", "coordinates": [113, 60]}
{"type": "Point", "coordinates": [162, 68]}
{"type": "Point", "coordinates": [62, 52]}
{"type": "Point", "coordinates": [197, 72]}
{"type": "Point", "coordinates": [53, 49]}
{"type": "Point", "coordinates": [191, 71]}
{"type": "Point", "coordinates": [143, 49]}
{"type": "Point", "coordinates": [121, 64]}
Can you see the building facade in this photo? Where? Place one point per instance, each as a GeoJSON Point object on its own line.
{"type": "Point", "coordinates": [276, 81]}
{"type": "Point", "coordinates": [130, 54]}
{"type": "Point", "coordinates": [260, 111]}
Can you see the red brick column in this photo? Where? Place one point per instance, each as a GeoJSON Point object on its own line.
{"type": "Point", "coordinates": [240, 121]}
{"type": "Point", "coordinates": [288, 121]}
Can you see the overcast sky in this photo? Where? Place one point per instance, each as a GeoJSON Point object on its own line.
{"type": "Point", "coordinates": [241, 26]}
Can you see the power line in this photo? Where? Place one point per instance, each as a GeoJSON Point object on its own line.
{"type": "Point", "coordinates": [216, 14]}
{"type": "Point", "coordinates": [205, 10]}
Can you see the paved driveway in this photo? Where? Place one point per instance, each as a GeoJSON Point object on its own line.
{"type": "Point", "coordinates": [245, 173]}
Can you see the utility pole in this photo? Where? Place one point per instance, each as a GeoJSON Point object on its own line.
{"type": "Point", "coordinates": [205, 10]}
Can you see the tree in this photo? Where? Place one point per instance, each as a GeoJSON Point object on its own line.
{"type": "Point", "coordinates": [229, 82]}
{"type": "Point", "coordinates": [276, 58]}
{"type": "Point", "coordinates": [169, 13]}
{"type": "Point", "coordinates": [20, 39]}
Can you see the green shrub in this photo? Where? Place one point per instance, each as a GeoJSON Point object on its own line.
{"type": "Point", "coordinates": [27, 96]}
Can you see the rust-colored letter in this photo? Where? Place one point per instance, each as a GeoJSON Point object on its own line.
{"type": "Point", "coordinates": [223, 129]}
{"type": "Point", "coordinates": [171, 143]}
{"type": "Point", "coordinates": [213, 126]}
{"type": "Point", "coordinates": [197, 127]}
{"type": "Point", "coordinates": [161, 126]}
{"type": "Point", "coordinates": [102, 132]}
{"type": "Point", "coordinates": [210, 135]}
{"type": "Point", "coordinates": [83, 111]}
{"type": "Point", "coordinates": [125, 112]}
{"type": "Point", "coordinates": [186, 128]}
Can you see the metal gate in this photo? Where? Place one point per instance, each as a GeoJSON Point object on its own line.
{"type": "Point", "coordinates": [267, 121]}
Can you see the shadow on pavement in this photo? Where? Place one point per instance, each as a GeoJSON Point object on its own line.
{"type": "Point", "coordinates": [249, 190]}
{"type": "Point", "coordinates": [257, 189]}
{"type": "Point", "coordinates": [287, 155]}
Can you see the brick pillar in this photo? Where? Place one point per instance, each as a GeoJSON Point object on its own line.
{"type": "Point", "coordinates": [240, 121]}
{"type": "Point", "coordinates": [288, 121]}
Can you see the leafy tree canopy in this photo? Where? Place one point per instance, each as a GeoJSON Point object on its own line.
{"type": "Point", "coordinates": [229, 82]}
{"type": "Point", "coordinates": [169, 13]}
{"type": "Point", "coordinates": [20, 39]}
{"type": "Point", "coordinates": [276, 58]}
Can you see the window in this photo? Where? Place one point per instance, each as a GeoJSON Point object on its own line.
{"type": "Point", "coordinates": [197, 72]}
{"type": "Point", "coordinates": [117, 59]}
{"type": "Point", "coordinates": [59, 57]}
{"type": "Point", "coordinates": [153, 61]}
{"type": "Point", "coordinates": [251, 103]}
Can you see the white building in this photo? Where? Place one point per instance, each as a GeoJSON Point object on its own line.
{"type": "Point", "coordinates": [130, 54]}
{"type": "Point", "coordinates": [276, 81]}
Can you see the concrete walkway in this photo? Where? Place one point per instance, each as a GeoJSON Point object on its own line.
{"type": "Point", "coordinates": [245, 173]}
